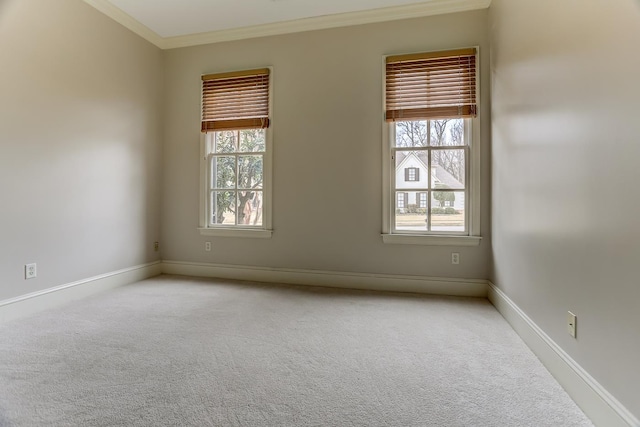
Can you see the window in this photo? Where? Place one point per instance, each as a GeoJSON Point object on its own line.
{"type": "Point", "coordinates": [411, 174]}
{"type": "Point", "coordinates": [431, 144]}
{"type": "Point", "coordinates": [422, 203]}
{"type": "Point", "coordinates": [402, 198]}
{"type": "Point", "coordinates": [236, 154]}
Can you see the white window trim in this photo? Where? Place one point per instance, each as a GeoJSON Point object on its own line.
{"type": "Point", "coordinates": [431, 240]}
{"type": "Point", "coordinates": [265, 231]}
{"type": "Point", "coordinates": [473, 216]}
{"type": "Point", "coordinates": [236, 232]}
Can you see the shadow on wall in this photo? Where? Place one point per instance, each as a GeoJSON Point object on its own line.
{"type": "Point", "coordinates": [4, 7]}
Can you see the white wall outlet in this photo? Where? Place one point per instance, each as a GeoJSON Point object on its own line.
{"type": "Point", "coordinates": [207, 246]}
{"type": "Point", "coordinates": [30, 271]}
{"type": "Point", "coordinates": [455, 258]}
{"type": "Point", "coordinates": [571, 324]}
{"type": "Point", "coordinates": [156, 246]}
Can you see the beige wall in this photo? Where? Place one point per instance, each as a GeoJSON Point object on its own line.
{"type": "Point", "coordinates": [328, 152]}
{"type": "Point", "coordinates": [79, 144]}
{"type": "Point", "coordinates": [566, 207]}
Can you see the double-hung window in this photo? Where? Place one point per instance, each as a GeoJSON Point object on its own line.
{"type": "Point", "coordinates": [236, 154]}
{"type": "Point", "coordinates": [431, 171]}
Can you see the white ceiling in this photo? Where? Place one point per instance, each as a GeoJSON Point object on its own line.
{"type": "Point", "coordinates": [174, 23]}
{"type": "Point", "coordinates": [170, 18]}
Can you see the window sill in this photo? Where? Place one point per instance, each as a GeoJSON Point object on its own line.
{"type": "Point", "coordinates": [236, 232]}
{"type": "Point", "coordinates": [405, 239]}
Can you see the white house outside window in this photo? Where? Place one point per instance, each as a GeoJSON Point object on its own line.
{"type": "Point", "coordinates": [431, 148]}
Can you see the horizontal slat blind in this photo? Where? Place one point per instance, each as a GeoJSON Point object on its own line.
{"type": "Point", "coordinates": [237, 100]}
{"type": "Point", "coordinates": [434, 85]}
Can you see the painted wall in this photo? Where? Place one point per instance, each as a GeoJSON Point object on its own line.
{"type": "Point", "coordinates": [79, 144]}
{"type": "Point", "coordinates": [327, 128]}
{"type": "Point", "coordinates": [565, 156]}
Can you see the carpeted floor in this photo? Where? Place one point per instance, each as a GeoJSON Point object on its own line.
{"type": "Point", "coordinates": [176, 351]}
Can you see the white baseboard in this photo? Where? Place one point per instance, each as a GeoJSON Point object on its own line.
{"type": "Point", "coordinates": [28, 304]}
{"type": "Point", "coordinates": [599, 405]}
{"type": "Point", "coordinates": [332, 279]}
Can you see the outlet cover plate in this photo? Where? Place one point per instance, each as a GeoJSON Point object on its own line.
{"type": "Point", "coordinates": [30, 271]}
{"type": "Point", "coordinates": [455, 258]}
{"type": "Point", "coordinates": [571, 323]}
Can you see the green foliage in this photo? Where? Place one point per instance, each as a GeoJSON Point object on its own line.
{"type": "Point", "coordinates": [414, 209]}
{"type": "Point", "coordinates": [444, 211]}
{"type": "Point", "coordinates": [444, 196]}
{"type": "Point", "coordinates": [248, 173]}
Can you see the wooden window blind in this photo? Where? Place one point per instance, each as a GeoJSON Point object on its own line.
{"type": "Point", "coordinates": [236, 100]}
{"type": "Point", "coordinates": [434, 85]}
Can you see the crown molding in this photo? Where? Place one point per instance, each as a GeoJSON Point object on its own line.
{"type": "Point", "coordinates": [435, 7]}
{"type": "Point", "coordinates": [127, 21]}
{"type": "Point", "coordinates": [416, 10]}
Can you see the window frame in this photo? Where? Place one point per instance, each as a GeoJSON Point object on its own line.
{"type": "Point", "coordinates": [472, 236]}
{"type": "Point", "coordinates": [238, 230]}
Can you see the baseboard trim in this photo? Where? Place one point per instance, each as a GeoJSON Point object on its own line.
{"type": "Point", "coordinates": [25, 305]}
{"type": "Point", "coordinates": [599, 405]}
{"type": "Point", "coordinates": [332, 279]}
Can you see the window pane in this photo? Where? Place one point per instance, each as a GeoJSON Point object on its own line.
{"type": "Point", "coordinates": [447, 211]}
{"type": "Point", "coordinates": [252, 140]}
{"type": "Point", "coordinates": [250, 173]}
{"type": "Point", "coordinates": [223, 171]}
{"type": "Point", "coordinates": [411, 169]}
{"type": "Point", "coordinates": [411, 210]}
{"type": "Point", "coordinates": [223, 207]}
{"type": "Point", "coordinates": [225, 141]}
{"type": "Point", "coordinates": [251, 207]}
{"type": "Point", "coordinates": [411, 133]}
{"type": "Point", "coordinates": [447, 169]}
{"type": "Point", "coordinates": [447, 132]}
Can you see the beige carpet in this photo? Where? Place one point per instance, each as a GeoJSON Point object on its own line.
{"type": "Point", "coordinates": [176, 351]}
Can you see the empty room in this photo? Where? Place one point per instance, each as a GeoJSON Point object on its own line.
{"type": "Point", "coordinates": [302, 213]}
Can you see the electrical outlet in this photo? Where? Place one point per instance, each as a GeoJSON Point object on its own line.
{"type": "Point", "coordinates": [207, 246]}
{"type": "Point", "coordinates": [455, 258]}
{"type": "Point", "coordinates": [30, 271]}
{"type": "Point", "coordinates": [571, 323]}
{"type": "Point", "coordinates": [156, 246]}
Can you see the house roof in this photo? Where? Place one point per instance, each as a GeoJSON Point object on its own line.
{"type": "Point", "coordinates": [446, 178]}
